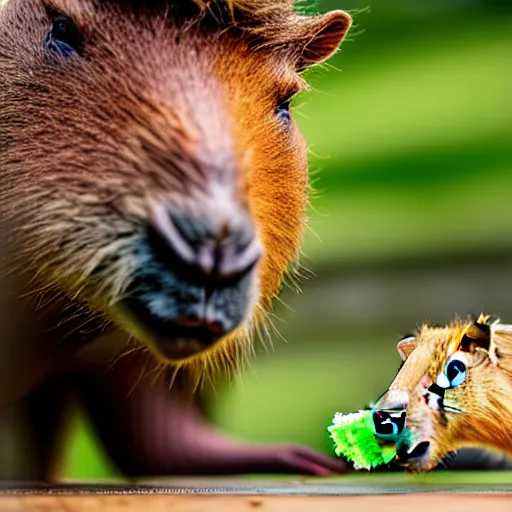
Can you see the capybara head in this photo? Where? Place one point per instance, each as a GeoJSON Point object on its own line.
{"type": "Point", "coordinates": [454, 389]}
{"type": "Point", "coordinates": [149, 160]}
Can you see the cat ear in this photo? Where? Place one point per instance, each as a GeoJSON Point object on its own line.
{"type": "Point", "coordinates": [477, 335]}
{"type": "Point", "coordinates": [320, 37]}
{"type": "Point", "coordinates": [500, 342]}
{"type": "Point", "coordinates": [406, 346]}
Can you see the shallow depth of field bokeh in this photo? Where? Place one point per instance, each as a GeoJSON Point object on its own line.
{"type": "Point", "coordinates": [410, 129]}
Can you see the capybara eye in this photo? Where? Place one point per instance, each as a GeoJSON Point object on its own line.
{"type": "Point", "coordinates": [283, 112]}
{"type": "Point", "coordinates": [64, 38]}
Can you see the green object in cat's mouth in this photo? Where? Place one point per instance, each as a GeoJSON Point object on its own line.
{"type": "Point", "coordinates": [354, 439]}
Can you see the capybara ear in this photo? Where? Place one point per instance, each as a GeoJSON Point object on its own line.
{"type": "Point", "coordinates": [321, 37]}
{"type": "Point", "coordinates": [406, 346]}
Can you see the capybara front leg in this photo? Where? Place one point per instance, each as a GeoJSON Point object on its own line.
{"type": "Point", "coordinates": [150, 430]}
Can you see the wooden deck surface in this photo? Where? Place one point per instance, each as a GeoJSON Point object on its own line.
{"type": "Point", "coordinates": [192, 503]}
{"type": "Point", "coordinates": [381, 493]}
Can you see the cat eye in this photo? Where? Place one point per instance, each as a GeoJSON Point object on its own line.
{"type": "Point", "coordinates": [454, 373]}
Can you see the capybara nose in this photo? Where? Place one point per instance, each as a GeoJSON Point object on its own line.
{"type": "Point", "coordinates": [193, 279]}
{"type": "Point", "coordinates": [212, 250]}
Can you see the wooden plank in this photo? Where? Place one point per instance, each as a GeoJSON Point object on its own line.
{"type": "Point", "coordinates": [346, 485]}
{"type": "Point", "coordinates": [192, 503]}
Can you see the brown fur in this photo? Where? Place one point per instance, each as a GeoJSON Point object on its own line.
{"type": "Point", "coordinates": [169, 102]}
{"type": "Point", "coordinates": [167, 95]}
{"type": "Point", "coordinates": [484, 398]}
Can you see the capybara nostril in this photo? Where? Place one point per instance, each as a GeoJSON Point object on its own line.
{"type": "Point", "coordinates": [219, 251]}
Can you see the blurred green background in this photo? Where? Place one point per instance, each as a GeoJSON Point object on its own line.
{"type": "Point", "coordinates": [410, 128]}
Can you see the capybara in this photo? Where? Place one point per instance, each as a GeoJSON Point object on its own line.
{"type": "Point", "coordinates": [153, 191]}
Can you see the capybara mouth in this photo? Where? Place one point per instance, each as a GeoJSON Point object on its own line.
{"type": "Point", "coordinates": [178, 319]}
{"type": "Point", "coordinates": [174, 339]}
